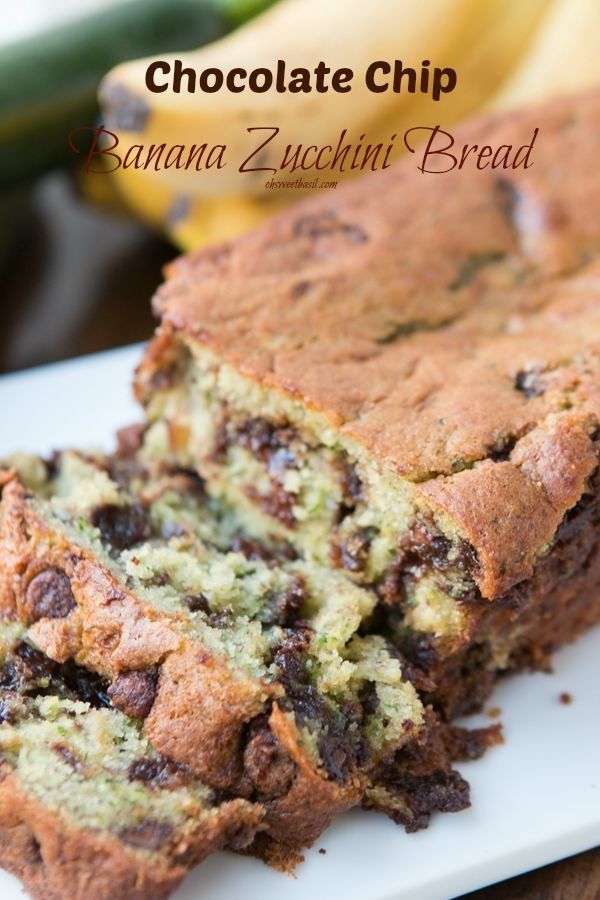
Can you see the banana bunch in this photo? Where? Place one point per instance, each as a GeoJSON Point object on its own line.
{"type": "Point", "coordinates": [486, 42]}
{"type": "Point", "coordinates": [564, 57]}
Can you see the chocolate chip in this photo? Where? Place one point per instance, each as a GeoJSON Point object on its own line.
{"type": "Point", "coordinates": [26, 671]}
{"type": "Point", "coordinates": [197, 603]}
{"type": "Point", "coordinates": [268, 766]}
{"type": "Point", "coordinates": [251, 549]}
{"type": "Point", "coordinates": [25, 667]}
{"type": "Point", "coordinates": [160, 772]}
{"type": "Point", "coordinates": [340, 745]}
{"type": "Point", "coordinates": [353, 553]}
{"type": "Point", "coordinates": [49, 595]}
{"type": "Point", "coordinates": [87, 686]}
{"type": "Point", "coordinates": [264, 439]}
{"type": "Point", "coordinates": [68, 756]}
{"type": "Point", "coordinates": [122, 526]}
{"type": "Point", "coordinates": [222, 619]}
{"type": "Point", "coordinates": [300, 288]}
{"type": "Point", "coordinates": [282, 607]}
{"type": "Point", "coordinates": [352, 485]}
{"type": "Point", "coordinates": [279, 503]}
{"type": "Point", "coordinates": [528, 383]}
{"type": "Point", "coordinates": [133, 693]}
{"type": "Point", "coordinates": [150, 835]}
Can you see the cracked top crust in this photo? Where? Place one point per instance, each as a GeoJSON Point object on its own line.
{"type": "Point", "coordinates": [448, 323]}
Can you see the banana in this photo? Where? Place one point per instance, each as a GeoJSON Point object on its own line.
{"type": "Point", "coordinates": [563, 59]}
{"type": "Point", "coordinates": [482, 41]}
{"type": "Point", "coordinates": [499, 36]}
{"type": "Point", "coordinates": [343, 33]}
{"type": "Point", "coordinates": [190, 222]}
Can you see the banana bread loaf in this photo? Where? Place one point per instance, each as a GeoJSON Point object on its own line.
{"type": "Point", "coordinates": [403, 381]}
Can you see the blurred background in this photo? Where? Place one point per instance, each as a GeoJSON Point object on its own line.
{"type": "Point", "coordinates": [81, 255]}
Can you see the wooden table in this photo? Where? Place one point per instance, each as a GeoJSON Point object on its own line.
{"type": "Point", "coordinates": [80, 281]}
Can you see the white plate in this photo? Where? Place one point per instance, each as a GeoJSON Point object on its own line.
{"type": "Point", "coordinates": [535, 799]}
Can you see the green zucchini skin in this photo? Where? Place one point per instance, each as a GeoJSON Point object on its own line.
{"type": "Point", "coordinates": [239, 11]}
{"type": "Point", "coordinates": [48, 83]}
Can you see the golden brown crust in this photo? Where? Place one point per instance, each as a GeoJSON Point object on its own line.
{"type": "Point", "coordinates": [416, 312]}
{"type": "Point", "coordinates": [322, 800]}
{"type": "Point", "coordinates": [509, 511]}
{"type": "Point", "coordinates": [56, 860]}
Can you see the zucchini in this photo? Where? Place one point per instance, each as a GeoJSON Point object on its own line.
{"type": "Point", "coordinates": [239, 11]}
{"type": "Point", "coordinates": [48, 82]}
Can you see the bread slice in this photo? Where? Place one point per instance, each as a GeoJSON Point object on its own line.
{"type": "Point", "coordinates": [88, 808]}
{"type": "Point", "coordinates": [243, 665]}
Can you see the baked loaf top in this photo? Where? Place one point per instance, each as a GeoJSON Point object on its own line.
{"type": "Point", "coordinates": [447, 323]}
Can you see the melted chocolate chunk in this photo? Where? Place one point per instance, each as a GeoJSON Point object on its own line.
{"type": "Point", "coordinates": [270, 444]}
{"type": "Point", "coordinates": [122, 526]}
{"type": "Point", "coordinates": [353, 553]}
{"type": "Point", "coordinates": [133, 693]}
{"type": "Point", "coordinates": [340, 748]}
{"type": "Point", "coordinates": [423, 549]}
{"type": "Point", "coordinates": [264, 440]}
{"type": "Point", "coordinates": [326, 223]}
{"type": "Point", "coordinates": [25, 668]}
{"type": "Point", "coordinates": [268, 766]}
{"type": "Point", "coordinates": [273, 554]}
{"type": "Point", "coordinates": [251, 549]}
{"type": "Point", "coordinates": [501, 449]}
{"type": "Point", "coordinates": [369, 701]}
{"type": "Point", "coordinates": [279, 503]}
{"type": "Point", "coordinates": [283, 607]}
{"type": "Point", "coordinates": [28, 672]}
{"type": "Point", "coordinates": [423, 795]}
{"type": "Point", "coordinates": [150, 835]}
{"type": "Point", "coordinates": [49, 595]}
{"type": "Point", "coordinates": [87, 686]}
{"type": "Point", "coordinates": [352, 485]}
{"type": "Point", "coordinates": [197, 603]}
{"type": "Point", "coordinates": [159, 772]}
